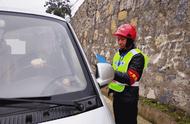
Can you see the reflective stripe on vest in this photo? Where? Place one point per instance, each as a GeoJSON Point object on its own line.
{"type": "Point", "coordinates": [121, 64]}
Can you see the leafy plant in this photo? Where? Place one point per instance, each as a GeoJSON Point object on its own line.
{"type": "Point", "coordinates": [58, 7]}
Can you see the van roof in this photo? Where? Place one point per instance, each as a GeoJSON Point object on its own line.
{"type": "Point", "coordinates": [32, 12]}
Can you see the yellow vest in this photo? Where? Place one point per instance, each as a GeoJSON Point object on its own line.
{"type": "Point", "coordinates": [121, 64]}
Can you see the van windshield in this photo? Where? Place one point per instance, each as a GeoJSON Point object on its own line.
{"type": "Point", "coordinates": [37, 58]}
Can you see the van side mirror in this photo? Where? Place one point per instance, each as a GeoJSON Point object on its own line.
{"type": "Point", "coordinates": [104, 74]}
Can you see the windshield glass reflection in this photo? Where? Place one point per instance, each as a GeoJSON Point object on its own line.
{"type": "Point", "coordinates": [37, 58]}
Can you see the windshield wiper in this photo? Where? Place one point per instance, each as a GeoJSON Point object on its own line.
{"type": "Point", "coordinates": [6, 102]}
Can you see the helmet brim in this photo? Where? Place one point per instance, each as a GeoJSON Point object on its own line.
{"type": "Point", "coordinates": [119, 35]}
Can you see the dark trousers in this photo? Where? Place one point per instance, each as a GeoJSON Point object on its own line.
{"type": "Point", "coordinates": [125, 110]}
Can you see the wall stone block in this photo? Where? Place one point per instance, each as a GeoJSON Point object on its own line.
{"type": "Point", "coordinates": [122, 15]}
{"type": "Point", "coordinates": [113, 26]}
{"type": "Point", "coordinates": [110, 8]}
{"type": "Point", "coordinates": [134, 21]}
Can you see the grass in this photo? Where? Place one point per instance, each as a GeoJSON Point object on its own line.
{"type": "Point", "coordinates": [180, 116]}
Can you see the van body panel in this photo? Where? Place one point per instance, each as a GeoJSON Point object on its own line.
{"type": "Point", "coordinates": [96, 116]}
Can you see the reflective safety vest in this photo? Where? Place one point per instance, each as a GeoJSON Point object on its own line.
{"type": "Point", "coordinates": [121, 64]}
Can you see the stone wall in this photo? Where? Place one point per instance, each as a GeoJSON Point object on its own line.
{"type": "Point", "coordinates": [163, 33]}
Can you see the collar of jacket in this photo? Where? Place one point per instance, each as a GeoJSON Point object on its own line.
{"type": "Point", "coordinates": [123, 52]}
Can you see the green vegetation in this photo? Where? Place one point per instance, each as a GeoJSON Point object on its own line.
{"type": "Point", "coordinates": [58, 7]}
{"type": "Point", "coordinates": [179, 115]}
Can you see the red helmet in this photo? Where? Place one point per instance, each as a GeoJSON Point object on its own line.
{"type": "Point", "coordinates": [126, 30]}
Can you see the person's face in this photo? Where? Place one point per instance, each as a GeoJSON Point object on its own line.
{"type": "Point", "coordinates": [122, 42]}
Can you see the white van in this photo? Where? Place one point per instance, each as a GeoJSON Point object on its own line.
{"type": "Point", "coordinates": [44, 74]}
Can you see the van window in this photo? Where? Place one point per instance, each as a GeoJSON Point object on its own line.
{"type": "Point", "coordinates": [38, 58]}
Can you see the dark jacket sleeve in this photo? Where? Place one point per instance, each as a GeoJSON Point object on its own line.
{"type": "Point", "coordinates": [136, 64]}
